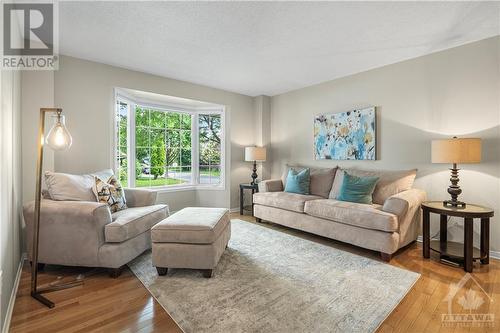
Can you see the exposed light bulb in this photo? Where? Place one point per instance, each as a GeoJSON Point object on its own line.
{"type": "Point", "coordinates": [58, 137]}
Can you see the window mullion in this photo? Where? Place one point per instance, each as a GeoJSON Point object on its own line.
{"type": "Point", "coordinates": [131, 145]}
{"type": "Point", "coordinates": [195, 156]}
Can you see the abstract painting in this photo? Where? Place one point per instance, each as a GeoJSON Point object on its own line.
{"type": "Point", "coordinates": [345, 136]}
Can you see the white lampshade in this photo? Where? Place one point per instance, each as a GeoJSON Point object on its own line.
{"type": "Point", "coordinates": [456, 150]}
{"type": "Point", "coordinates": [255, 154]}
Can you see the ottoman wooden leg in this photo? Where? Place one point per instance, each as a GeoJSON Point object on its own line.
{"type": "Point", "coordinates": [207, 273]}
{"type": "Point", "coordinates": [162, 270]}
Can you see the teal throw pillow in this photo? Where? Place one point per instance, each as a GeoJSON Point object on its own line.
{"type": "Point", "coordinates": [357, 189]}
{"type": "Point", "coordinates": [298, 182]}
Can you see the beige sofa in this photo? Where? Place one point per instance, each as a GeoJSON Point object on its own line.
{"type": "Point", "coordinates": [85, 233]}
{"type": "Point", "coordinates": [391, 222]}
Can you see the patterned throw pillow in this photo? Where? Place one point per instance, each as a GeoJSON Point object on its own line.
{"type": "Point", "coordinates": [110, 192]}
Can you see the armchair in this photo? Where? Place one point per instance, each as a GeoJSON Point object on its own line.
{"type": "Point", "coordinates": [84, 233]}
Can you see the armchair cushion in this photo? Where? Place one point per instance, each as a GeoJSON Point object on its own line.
{"type": "Point", "coordinates": [131, 222]}
{"type": "Point", "coordinates": [140, 197]}
{"type": "Point", "coordinates": [65, 186]}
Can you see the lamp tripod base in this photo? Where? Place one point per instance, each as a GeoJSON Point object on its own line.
{"type": "Point", "coordinates": [37, 294]}
{"type": "Point", "coordinates": [42, 299]}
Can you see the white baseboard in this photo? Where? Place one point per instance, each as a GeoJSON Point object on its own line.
{"type": "Point", "coordinates": [10, 307]}
{"type": "Point", "coordinates": [493, 254]}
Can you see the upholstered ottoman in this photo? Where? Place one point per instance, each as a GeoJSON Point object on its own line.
{"type": "Point", "coordinates": [194, 237]}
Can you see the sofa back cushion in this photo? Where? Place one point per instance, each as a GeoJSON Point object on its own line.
{"type": "Point", "coordinates": [389, 183]}
{"type": "Point", "coordinates": [65, 186]}
{"type": "Point", "coordinates": [321, 179]}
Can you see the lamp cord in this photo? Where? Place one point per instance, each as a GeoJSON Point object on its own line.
{"type": "Point", "coordinates": [447, 221]}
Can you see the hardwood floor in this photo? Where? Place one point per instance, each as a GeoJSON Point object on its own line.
{"type": "Point", "coordinates": [104, 304]}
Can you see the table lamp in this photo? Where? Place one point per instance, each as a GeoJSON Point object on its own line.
{"type": "Point", "coordinates": [59, 139]}
{"type": "Point", "coordinates": [454, 151]}
{"type": "Point", "coordinates": [255, 154]}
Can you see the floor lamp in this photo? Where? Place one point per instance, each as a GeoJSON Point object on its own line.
{"type": "Point", "coordinates": [58, 138]}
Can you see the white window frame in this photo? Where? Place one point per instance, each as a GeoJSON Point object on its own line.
{"type": "Point", "coordinates": [195, 165]}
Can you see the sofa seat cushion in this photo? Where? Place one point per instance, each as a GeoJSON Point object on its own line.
{"type": "Point", "coordinates": [131, 222]}
{"type": "Point", "coordinates": [192, 225]}
{"type": "Point", "coordinates": [356, 214]}
{"type": "Point", "coordinates": [284, 200]}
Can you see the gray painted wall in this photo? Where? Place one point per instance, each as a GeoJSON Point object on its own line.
{"type": "Point", "coordinates": [37, 91]}
{"type": "Point", "coordinates": [84, 90]}
{"type": "Point", "coordinates": [262, 109]}
{"type": "Point", "coordinates": [10, 184]}
{"type": "Point", "coordinates": [454, 92]}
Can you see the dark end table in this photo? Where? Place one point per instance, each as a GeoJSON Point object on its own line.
{"type": "Point", "coordinates": [243, 187]}
{"type": "Point", "coordinates": [454, 251]}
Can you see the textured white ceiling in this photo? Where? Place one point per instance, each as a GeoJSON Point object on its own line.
{"type": "Point", "coordinates": [267, 48]}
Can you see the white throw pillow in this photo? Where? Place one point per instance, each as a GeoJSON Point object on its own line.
{"type": "Point", "coordinates": [64, 186]}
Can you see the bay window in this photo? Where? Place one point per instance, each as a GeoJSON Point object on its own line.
{"type": "Point", "coordinates": [167, 146]}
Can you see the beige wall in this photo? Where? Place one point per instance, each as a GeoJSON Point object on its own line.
{"type": "Point", "coordinates": [450, 92]}
{"type": "Point", "coordinates": [37, 92]}
{"type": "Point", "coordinates": [84, 90]}
{"type": "Point", "coordinates": [454, 92]}
{"type": "Point", "coordinates": [262, 110]}
{"type": "Point", "coordinates": [10, 185]}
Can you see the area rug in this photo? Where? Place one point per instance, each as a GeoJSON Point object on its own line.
{"type": "Point", "coordinates": [270, 281]}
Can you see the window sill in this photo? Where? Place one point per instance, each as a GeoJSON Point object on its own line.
{"type": "Point", "coordinates": [167, 189]}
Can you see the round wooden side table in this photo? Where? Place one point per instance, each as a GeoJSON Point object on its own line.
{"type": "Point", "coordinates": [453, 250]}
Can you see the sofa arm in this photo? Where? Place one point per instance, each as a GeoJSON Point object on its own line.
{"type": "Point", "coordinates": [271, 185]}
{"type": "Point", "coordinates": [136, 197]}
{"type": "Point", "coordinates": [406, 205]}
{"type": "Point", "coordinates": [71, 232]}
